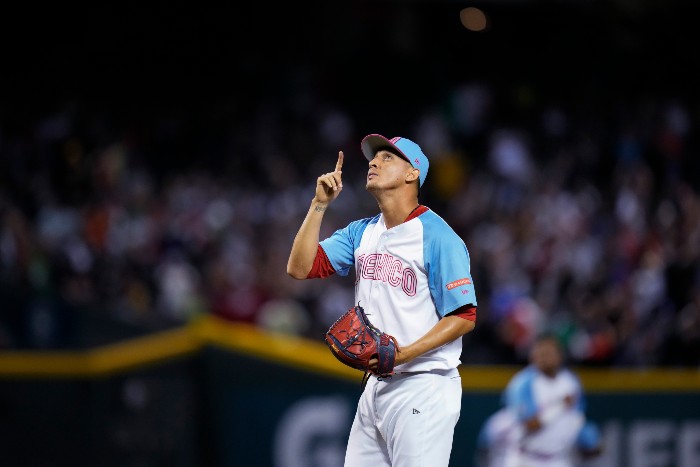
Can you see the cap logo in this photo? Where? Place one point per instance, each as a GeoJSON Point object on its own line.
{"type": "Point", "coordinates": [416, 161]}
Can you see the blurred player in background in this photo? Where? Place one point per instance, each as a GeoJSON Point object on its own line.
{"type": "Point", "coordinates": [543, 420]}
{"type": "Point", "coordinates": [499, 436]}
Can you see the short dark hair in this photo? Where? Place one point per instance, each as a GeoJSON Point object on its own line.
{"type": "Point", "coordinates": [549, 336]}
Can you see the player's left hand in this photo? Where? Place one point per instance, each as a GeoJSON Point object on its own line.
{"type": "Point", "coordinates": [354, 341]}
{"type": "Point", "coordinates": [329, 185]}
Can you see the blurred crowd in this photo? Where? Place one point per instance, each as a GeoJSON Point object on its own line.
{"type": "Point", "coordinates": [578, 220]}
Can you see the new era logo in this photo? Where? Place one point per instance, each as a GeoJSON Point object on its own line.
{"type": "Point", "coordinates": [416, 411]}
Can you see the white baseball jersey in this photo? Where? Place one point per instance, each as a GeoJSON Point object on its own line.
{"type": "Point", "coordinates": [502, 434]}
{"type": "Point", "coordinates": [531, 393]}
{"type": "Point", "coordinates": [407, 278]}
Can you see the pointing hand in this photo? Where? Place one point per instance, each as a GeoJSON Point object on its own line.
{"type": "Point", "coordinates": [329, 185]}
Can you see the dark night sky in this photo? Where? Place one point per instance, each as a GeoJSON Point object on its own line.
{"type": "Point", "coordinates": [132, 57]}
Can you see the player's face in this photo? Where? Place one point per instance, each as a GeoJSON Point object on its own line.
{"type": "Point", "coordinates": [546, 356]}
{"type": "Point", "coordinates": [387, 170]}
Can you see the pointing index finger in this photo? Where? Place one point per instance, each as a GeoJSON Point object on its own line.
{"type": "Point", "coordinates": [339, 164]}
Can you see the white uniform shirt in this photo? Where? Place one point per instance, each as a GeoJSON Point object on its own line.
{"type": "Point", "coordinates": [532, 393]}
{"type": "Point", "coordinates": [407, 278]}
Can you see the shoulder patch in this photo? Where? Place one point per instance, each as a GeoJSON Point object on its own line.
{"type": "Point", "coordinates": [458, 283]}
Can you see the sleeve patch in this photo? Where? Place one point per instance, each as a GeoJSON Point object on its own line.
{"type": "Point", "coordinates": [458, 283]}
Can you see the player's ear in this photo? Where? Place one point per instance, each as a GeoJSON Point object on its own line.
{"type": "Point", "coordinates": [412, 175]}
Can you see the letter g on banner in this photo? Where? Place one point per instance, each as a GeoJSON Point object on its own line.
{"type": "Point", "coordinates": [309, 433]}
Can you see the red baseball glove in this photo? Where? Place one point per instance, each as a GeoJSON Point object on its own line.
{"type": "Point", "coordinates": [355, 341]}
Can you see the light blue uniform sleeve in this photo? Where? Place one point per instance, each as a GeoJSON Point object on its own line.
{"type": "Point", "coordinates": [589, 437]}
{"type": "Point", "coordinates": [483, 439]}
{"type": "Point", "coordinates": [447, 265]}
{"type": "Point", "coordinates": [519, 396]}
{"type": "Point", "coordinates": [340, 247]}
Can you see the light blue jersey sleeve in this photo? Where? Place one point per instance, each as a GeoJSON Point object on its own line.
{"type": "Point", "coordinates": [340, 247]}
{"type": "Point", "coordinates": [483, 439]}
{"type": "Point", "coordinates": [519, 393]}
{"type": "Point", "coordinates": [589, 437]}
{"type": "Point", "coordinates": [447, 265]}
{"type": "Point", "coordinates": [519, 396]}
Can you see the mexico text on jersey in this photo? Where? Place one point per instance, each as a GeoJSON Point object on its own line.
{"type": "Point", "coordinates": [407, 277]}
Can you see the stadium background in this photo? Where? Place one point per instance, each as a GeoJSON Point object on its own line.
{"type": "Point", "coordinates": [156, 160]}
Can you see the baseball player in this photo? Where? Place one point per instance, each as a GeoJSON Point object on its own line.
{"type": "Point", "coordinates": [500, 435]}
{"type": "Point", "coordinates": [412, 276]}
{"type": "Point", "coordinates": [546, 401]}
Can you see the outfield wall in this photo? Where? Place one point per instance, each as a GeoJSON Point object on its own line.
{"type": "Point", "coordinates": [219, 394]}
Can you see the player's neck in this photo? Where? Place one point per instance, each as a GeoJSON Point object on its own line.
{"type": "Point", "coordinates": [396, 209]}
{"type": "Point", "coordinates": [550, 372]}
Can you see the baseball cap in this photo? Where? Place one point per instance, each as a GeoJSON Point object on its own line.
{"type": "Point", "coordinates": [404, 147]}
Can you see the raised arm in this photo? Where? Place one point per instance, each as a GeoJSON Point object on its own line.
{"type": "Point", "coordinates": [328, 187]}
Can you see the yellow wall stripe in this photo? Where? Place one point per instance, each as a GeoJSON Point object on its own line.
{"type": "Point", "coordinates": [43, 364]}
{"type": "Point", "coordinates": [141, 351]}
{"type": "Point", "coordinates": [102, 361]}
{"type": "Point", "coordinates": [639, 380]}
{"type": "Point", "coordinates": [301, 353]}
{"type": "Point", "coordinates": [295, 351]}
